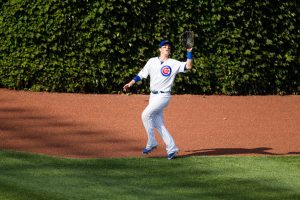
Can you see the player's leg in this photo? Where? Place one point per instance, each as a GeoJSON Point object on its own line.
{"type": "Point", "coordinates": [164, 133]}
{"type": "Point", "coordinates": [155, 106]}
{"type": "Point", "coordinates": [147, 118]}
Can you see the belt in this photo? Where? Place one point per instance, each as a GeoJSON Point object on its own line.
{"type": "Point", "coordinates": [156, 92]}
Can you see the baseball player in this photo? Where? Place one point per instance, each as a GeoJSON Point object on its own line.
{"type": "Point", "coordinates": [162, 71]}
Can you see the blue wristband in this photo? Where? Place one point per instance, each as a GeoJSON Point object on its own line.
{"type": "Point", "coordinates": [189, 55]}
{"type": "Point", "coordinates": [137, 79]}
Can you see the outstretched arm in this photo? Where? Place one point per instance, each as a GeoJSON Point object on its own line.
{"type": "Point", "coordinates": [189, 63]}
{"type": "Point", "coordinates": [133, 81]}
{"type": "Point", "coordinates": [128, 85]}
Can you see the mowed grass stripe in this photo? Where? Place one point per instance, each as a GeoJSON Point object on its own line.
{"type": "Point", "coordinates": [29, 176]}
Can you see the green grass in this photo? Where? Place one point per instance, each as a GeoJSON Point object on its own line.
{"type": "Point", "coordinates": [27, 176]}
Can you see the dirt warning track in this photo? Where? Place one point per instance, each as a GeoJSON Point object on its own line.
{"type": "Point", "coordinates": [96, 126]}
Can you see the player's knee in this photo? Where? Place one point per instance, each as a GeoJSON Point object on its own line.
{"type": "Point", "coordinates": [145, 115]}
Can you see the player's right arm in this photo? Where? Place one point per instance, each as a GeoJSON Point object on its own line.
{"type": "Point", "coordinates": [142, 74]}
{"type": "Point", "coordinates": [133, 81]}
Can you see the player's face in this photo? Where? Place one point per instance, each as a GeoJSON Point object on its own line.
{"type": "Point", "coordinates": [166, 50]}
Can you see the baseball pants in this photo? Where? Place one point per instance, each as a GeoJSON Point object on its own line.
{"type": "Point", "coordinates": [152, 118]}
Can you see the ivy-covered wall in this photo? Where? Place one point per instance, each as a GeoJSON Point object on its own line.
{"type": "Point", "coordinates": [96, 46]}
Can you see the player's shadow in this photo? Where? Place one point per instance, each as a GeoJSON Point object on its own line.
{"type": "Point", "coordinates": [293, 153]}
{"type": "Point", "coordinates": [229, 151]}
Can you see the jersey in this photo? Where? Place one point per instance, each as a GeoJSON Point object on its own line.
{"type": "Point", "coordinates": [162, 74]}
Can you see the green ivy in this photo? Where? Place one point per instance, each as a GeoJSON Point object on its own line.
{"type": "Point", "coordinates": [91, 46]}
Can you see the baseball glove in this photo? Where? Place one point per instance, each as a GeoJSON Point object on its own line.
{"type": "Point", "coordinates": [187, 39]}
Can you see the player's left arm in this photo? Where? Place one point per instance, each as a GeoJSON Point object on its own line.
{"type": "Point", "coordinates": [189, 61]}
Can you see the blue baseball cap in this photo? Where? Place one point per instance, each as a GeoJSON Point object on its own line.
{"type": "Point", "coordinates": [164, 42]}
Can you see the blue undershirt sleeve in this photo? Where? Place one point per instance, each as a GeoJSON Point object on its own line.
{"type": "Point", "coordinates": [189, 55]}
{"type": "Point", "coordinates": [137, 79]}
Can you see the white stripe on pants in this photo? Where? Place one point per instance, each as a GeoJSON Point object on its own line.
{"type": "Point", "coordinates": [152, 118]}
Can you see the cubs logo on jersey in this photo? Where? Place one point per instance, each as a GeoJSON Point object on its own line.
{"type": "Point", "coordinates": [166, 70]}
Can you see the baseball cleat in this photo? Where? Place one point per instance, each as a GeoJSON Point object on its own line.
{"type": "Point", "coordinates": [147, 150]}
{"type": "Point", "coordinates": [172, 155]}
